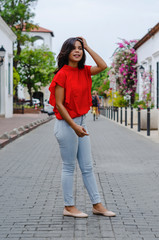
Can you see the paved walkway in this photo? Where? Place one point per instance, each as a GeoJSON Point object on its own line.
{"type": "Point", "coordinates": [154, 134]}
{"type": "Point", "coordinates": [18, 120]}
{"type": "Point", "coordinates": [20, 124]}
{"type": "Point", "coordinates": [127, 170]}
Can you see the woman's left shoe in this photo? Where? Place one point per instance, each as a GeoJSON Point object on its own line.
{"type": "Point", "coordinates": [106, 213]}
{"type": "Point", "coordinates": [77, 215]}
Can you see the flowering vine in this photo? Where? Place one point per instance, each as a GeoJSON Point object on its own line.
{"type": "Point", "coordinates": [123, 70]}
{"type": "Point", "coordinates": [147, 88]}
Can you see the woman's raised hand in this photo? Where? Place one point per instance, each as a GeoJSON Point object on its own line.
{"type": "Point", "coordinates": [85, 45]}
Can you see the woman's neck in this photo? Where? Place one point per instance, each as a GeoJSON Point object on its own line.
{"type": "Point", "coordinates": [73, 64]}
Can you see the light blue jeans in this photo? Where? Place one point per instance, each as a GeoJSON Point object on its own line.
{"type": "Point", "coordinates": [73, 147]}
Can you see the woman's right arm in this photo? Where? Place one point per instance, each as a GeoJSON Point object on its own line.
{"type": "Point", "coordinates": [59, 96]}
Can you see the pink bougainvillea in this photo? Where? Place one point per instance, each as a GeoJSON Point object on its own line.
{"type": "Point", "coordinates": [124, 68]}
{"type": "Point", "coordinates": [147, 88]}
{"type": "Point", "coordinates": [120, 45]}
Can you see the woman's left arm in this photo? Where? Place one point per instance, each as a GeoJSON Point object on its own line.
{"type": "Point", "coordinates": [101, 64]}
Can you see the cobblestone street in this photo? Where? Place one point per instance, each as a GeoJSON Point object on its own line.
{"type": "Point", "coordinates": [126, 166]}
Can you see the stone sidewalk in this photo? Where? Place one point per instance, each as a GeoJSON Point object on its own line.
{"type": "Point", "coordinates": [19, 124]}
{"type": "Point", "coordinates": [127, 171]}
{"type": "Point", "coordinates": [154, 134]}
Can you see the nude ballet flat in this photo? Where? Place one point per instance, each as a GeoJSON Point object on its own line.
{"type": "Point", "coordinates": [78, 215]}
{"type": "Point", "coordinates": [106, 213]}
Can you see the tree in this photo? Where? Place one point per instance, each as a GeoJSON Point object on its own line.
{"type": "Point", "coordinates": [102, 90]}
{"type": "Point", "coordinates": [18, 14]}
{"type": "Point", "coordinates": [98, 79]}
{"type": "Point", "coordinates": [36, 67]}
{"type": "Point", "coordinates": [16, 80]}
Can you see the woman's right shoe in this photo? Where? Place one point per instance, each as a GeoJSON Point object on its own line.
{"type": "Point", "coordinates": [78, 215]}
{"type": "Point", "coordinates": [106, 213]}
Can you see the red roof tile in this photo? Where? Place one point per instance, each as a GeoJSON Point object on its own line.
{"type": "Point", "coordinates": [36, 28]}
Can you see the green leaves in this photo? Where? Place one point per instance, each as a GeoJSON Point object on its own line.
{"type": "Point", "coordinates": [18, 14]}
{"type": "Point", "coordinates": [100, 82]}
{"type": "Point", "coordinates": [16, 80]}
{"type": "Point", "coordinates": [16, 11]}
{"type": "Point", "coordinates": [98, 79]}
{"type": "Point", "coordinates": [36, 67]}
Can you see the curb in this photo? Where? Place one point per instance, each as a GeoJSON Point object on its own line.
{"type": "Point", "coordinates": [7, 138]}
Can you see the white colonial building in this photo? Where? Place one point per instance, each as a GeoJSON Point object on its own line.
{"type": "Point", "coordinates": [148, 59]}
{"type": "Point", "coordinates": [41, 36]}
{"type": "Point", "coordinates": [7, 38]}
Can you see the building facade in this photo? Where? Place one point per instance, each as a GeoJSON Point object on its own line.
{"type": "Point", "coordinates": [7, 38]}
{"type": "Point", "coordinates": [148, 60]}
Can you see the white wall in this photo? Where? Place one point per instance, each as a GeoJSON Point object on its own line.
{"type": "Point", "coordinates": [6, 40]}
{"type": "Point", "coordinates": [46, 37]}
{"type": "Point", "coordinates": [148, 54]}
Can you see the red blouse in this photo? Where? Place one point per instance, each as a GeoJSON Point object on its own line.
{"type": "Point", "coordinates": [77, 84]}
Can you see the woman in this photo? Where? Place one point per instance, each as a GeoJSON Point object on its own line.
{"type": "Point", "coordinates": [71, 98]}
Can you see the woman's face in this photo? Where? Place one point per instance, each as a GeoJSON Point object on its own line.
{"type": "Point", "coordinates": [77, 53]}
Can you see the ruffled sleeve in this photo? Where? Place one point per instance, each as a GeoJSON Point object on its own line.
{"type": "Point", "coordinates": [60, 79]}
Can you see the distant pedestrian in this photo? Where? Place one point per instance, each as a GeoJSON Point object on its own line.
{"type": "Point", "coordinates": [95, 103]}
{"type": "Point", "coordinates": [99, 103]}
{"type": "Point", "coordinates": [71, 98]}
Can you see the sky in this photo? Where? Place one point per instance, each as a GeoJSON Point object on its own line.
{"type": "Point", "coordinates": [103, 23]}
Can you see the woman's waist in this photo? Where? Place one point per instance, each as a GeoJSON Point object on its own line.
{"type": "Point", "coordinates": [77, 119]}
{"type": "Point", "coordinates": [73, 114]}
{"type": "Point", "coordinates": [80, 120]}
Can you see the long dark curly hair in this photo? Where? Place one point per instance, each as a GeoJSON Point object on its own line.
{"type": "Point", "coordinates": [67, 47]}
